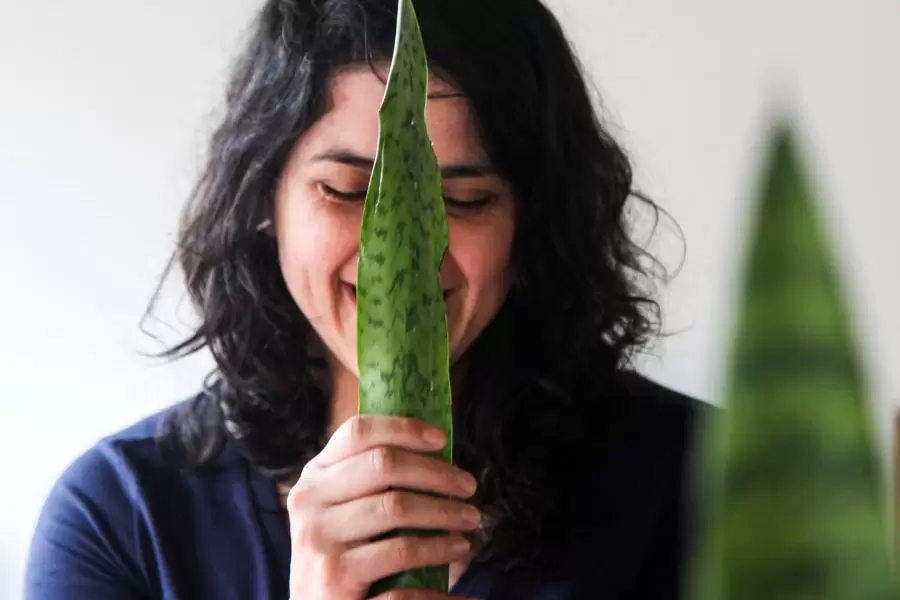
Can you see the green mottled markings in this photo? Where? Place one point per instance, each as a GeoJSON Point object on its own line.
{"type": "Point", "coordinates": [402, 345]}
{"type": "Point", "coordinates": [791, 481]}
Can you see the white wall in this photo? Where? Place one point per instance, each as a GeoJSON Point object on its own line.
{"type": "Point", "coordinates": [103, 108]}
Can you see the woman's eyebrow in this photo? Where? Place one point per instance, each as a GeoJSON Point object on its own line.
{"type": "Point", "coordinates": [452, 171]}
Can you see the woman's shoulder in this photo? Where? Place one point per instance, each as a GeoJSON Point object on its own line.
{"type": "Point", "coordinates": [122, 509]}
{"type": "Point", "coordinates": [132, 467]}
{"type": "Point", "coordinates": [633, 422]}
{"type": "Point", "coordinates": [650, 408]}
{"type": "Point", "coordinates": [623, 528]}
{"type": "Point", "coordinates": [114, 464]}
{"type": "Point", "coordinates": [641, 487]}
{"type": "Point", "coordinates": [135, 452]}
{"type": "Point", "coordinates": [651, 435]}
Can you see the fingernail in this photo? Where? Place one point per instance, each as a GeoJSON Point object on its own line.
{"type": "Point", "coordinates": [472, 516]}
{"type": "Point", "coordinates": [468, 482]}
{"type": "Point", "coordinates": [459, 545]}
{"type": "Point", "coordinates": [434, 437]}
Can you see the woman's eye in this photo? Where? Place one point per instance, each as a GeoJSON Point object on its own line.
{"type": "Point", "coordinates": [469, 203]}
{"type": "Point", "coordinates": [343, 195]}
{"type": "Point", "coordinates": [466, 204]}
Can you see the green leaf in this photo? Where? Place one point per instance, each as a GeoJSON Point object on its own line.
{"type": "Point", "coordinates": [402, 342]}
{"type": "Point", "coordinates": [790, 476]}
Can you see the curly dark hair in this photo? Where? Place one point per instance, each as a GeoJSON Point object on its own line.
{"type": "Point", "coordinates": [580, 306]}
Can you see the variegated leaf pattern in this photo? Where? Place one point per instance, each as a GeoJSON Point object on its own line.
{"type": "Point", "coordinates": [402, 339]}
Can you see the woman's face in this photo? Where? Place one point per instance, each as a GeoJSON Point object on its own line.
{"type": "Point", "coordinates": [319, 202]}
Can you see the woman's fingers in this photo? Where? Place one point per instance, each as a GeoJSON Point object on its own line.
{"type": "Point", "coordinates": [372, 562]}
{"type": "Point", "coordinates": [374, 515]}
{"type": "Point", "coordinates": [372, 477]}
{"type": "Point", "coordinates": [381, 468]}
{"type": "Point", "coordinates": [364, 432]}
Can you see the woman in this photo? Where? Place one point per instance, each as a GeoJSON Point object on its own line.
{"type": "Point", "coordinates": [569, 470]}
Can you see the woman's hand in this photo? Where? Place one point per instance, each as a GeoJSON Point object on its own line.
{"type": "Point", "coordinates": [342, 500]}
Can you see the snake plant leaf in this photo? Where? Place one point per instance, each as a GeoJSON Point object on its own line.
{"type": "Point", "coordinates": [402, 340]}
{"type": "Point", "coordinates": [794, 500]}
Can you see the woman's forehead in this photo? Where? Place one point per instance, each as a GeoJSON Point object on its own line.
{"type": "Point", "coordinates": [351, 122]}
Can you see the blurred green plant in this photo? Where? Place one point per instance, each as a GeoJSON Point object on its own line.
{"type": "Point", "coordinates": [790, 496]}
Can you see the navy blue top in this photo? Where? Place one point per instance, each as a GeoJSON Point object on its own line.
{"type": "Point", "coordinates": [123, 524]}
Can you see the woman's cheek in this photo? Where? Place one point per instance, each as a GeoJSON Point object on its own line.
{"type": "Point", "coordinates": [482, 253]}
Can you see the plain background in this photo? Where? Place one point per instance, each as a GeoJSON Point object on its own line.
{"type": "Point", "coordinates": [104, 109]}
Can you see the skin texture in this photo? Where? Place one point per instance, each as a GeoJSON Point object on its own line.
{"type": "Point", "coordinates": [317, 222]}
